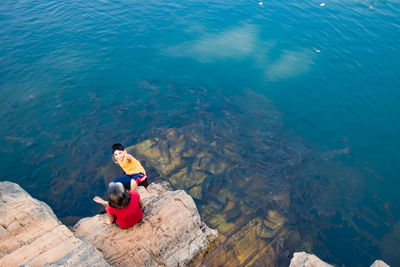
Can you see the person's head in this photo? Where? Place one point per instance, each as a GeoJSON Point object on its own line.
{"type": "Point", "coordinates": [119, 151]}
{"type": "Point", "coordinates": [118, 196]}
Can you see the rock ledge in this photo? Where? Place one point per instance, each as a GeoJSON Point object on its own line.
{"type": "Point", "coordinates": [31, 235]}
{"type": "Point", "coordinates": [170, 234]}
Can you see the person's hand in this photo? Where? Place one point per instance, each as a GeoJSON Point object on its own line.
{"type": "Point", "coordinates": [98, 200]}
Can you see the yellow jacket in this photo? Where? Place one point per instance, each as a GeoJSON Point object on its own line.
{"type": "Point", "coordinates": [132, 167]}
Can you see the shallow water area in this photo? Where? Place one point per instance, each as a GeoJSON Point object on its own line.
{"type": "Point", "coordinates": [280, 119]}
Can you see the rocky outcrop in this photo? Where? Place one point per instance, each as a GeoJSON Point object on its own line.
{"type": "Point", "coordinates": [302, 259]}
{"type": "Point", "coordinates": [31, 235]}
{"type": "Point", "coordinates": [379, 263]}
{"type": "Point", "coordinates": [170, 234]}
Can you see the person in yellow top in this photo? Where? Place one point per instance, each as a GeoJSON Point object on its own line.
{"type": "Point", "coordinates": [135, 174]}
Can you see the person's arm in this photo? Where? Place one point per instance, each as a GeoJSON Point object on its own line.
{"type": "Point", "coordinates": [109, 220]}
{"type": "Point", "coordinates": [140, 203]}
{"type": "Point", "coordinates": [134, 185]}
{"type": "Point", "coordinates": [100, 201]}
{"type": "Point", "coordinates": [128, 158]}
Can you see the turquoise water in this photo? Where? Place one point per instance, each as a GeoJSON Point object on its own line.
{"type": "Point", "coordinates": [77, 76]}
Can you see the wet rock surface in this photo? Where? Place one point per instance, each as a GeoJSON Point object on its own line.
{"type": "Point", "coordinates": [31, 235]}
{"type": "Point", "coordinates": [171, 232]}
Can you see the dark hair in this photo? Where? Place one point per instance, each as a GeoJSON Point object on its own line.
{"type": "Point", "coordinates": [117, 147]}
{"type": "Point", "coordinates": [118, 196]}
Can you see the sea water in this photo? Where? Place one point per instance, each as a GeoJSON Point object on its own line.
{"type": "Point", "coordinates": [78, 76]}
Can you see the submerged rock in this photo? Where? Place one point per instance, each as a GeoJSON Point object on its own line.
{"type": "Point", "coordinates": [211, 172]}
{"type": "Point", "coordinates": [255, 244]}
{"type": "Point", "coordinates": [170, 234]}
{"type": "Point", "coordinates": [181, 157]}
{"type": "Point", "coordinates": [161, 154]}
{"type": "Point", "coordinates": [31, 235]}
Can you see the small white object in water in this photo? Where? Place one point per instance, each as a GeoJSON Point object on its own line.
{"type": "Point", "coordinates": [316, 50]}
{"type": "Point", "coordinates": [322, 4]}
{"type": "Point", "coordinates": [260, 3]}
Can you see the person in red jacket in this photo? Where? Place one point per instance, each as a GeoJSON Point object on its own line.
{"type": "Point", "coordinates": [124, 207]}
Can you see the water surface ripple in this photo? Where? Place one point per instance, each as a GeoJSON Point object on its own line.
{"type": "Point", "coordinates": [298, 100]}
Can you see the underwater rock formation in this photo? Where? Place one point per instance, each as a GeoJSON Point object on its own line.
{"type": "Point", "coordinates": [252, 232]}
{"type": "Point", "coordinates": [208, 171]}
{"type": "Point", "coordinates": [170, 234]}
{"type": "Point", "coordinates": [253, 242]}
{"type": "Point", "coordinates": [31, 235]}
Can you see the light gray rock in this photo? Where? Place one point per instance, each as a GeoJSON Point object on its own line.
{"type": "Point", "coordinates": [83, 255]}
{"type": "Point", "coordinates": [379, 263]}
{"type": "Point", "coordinates": [170, 234]}
{"type": "Point", "coordinates": [302, 259]}
{"type": "Point", "coordinates": [31, 235]}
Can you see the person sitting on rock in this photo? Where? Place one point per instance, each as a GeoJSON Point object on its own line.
{"type": "Point", "coordinates": [135, 174]}
{"type": "Point", "coordinates": [124, 207]}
